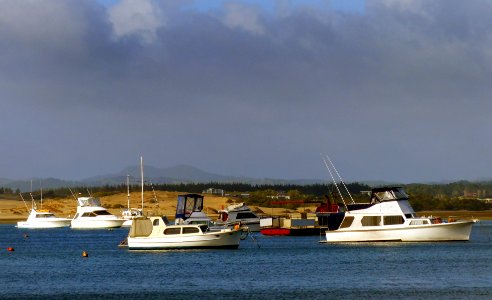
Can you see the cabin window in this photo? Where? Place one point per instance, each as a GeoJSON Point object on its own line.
{"type": "Point", "coordinates": [102, 213]}
{"type": "Point", "coordinates": [45, 216]}
{"type": "Point", "coordinates": [347, 221]}
{"type": "Point", "coordinates": [246, 215]}
{"type": "Point", "coordinates": [190, 230]}
{"type": "Point", "coordinates": [89, 214]}
{"type": "Point", "coordinates": [198, 222]}
{"type": "Point", "coordinates": [371, 221]}
{"type": "Point", "coordinates": [419, 222]}
{"type": "Point", "coordinates": [204, 228]}
{"type": "Point", "coordinates": [408, 216]}
{"type": "Point", "coordinates": [393, 220]}
{"type": "Point", "coordinates": [172, 230]}
{"type": "Point", "coordinates": [156, 222]}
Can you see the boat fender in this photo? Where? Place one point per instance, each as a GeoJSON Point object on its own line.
{"type": "Point", "coordinates": [11, 249]}
{"type": "Point", "coordinates": [236, 227]}
{"type": "Point", "coordinates": [84, 254]}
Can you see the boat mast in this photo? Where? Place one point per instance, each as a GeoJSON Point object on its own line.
{"type": "Point", "coordinates": [24, 202]}
{"type": "Point", "coordinates": [341, 180]}
{"type": "Point", "coordinates": [335, 183]}
{"type": "Point", "coordinates": [128, 190]}
{"type": "Point", "coordinates": [142, 179]}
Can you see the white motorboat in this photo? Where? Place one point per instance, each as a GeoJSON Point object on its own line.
{"type": "Point", "coordinates": [41, 218]}
{"type": "Point", "coordinates": [241, 214]}
{"type": "Point", "coordinates": [155, 233]}
{"type": "Point", "coordinates": [390, 217]}
{"type": "Point", "coordinates": [91, 215]}
{"type": "Point", "coordinates": [131, 213]}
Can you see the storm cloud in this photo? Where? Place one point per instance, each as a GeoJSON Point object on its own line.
{"type": "Point", "coordinates": [392, 90]}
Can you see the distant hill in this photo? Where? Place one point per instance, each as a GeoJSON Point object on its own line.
{"type": "Point", "coordinates": [176, 174]}
{"type": "Point", "coordinates": [37, 183]}
{"type": "Point", "coordinates": [169, 175]}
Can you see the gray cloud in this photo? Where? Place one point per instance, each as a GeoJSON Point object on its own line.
{"type": "Point", "coordinates": [398, 92]}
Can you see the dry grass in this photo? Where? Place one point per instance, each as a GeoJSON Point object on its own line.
{"type": "Point", "coordinates": [13, 210]}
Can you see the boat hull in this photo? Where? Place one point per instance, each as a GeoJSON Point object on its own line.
{"type": "Point", "coordinates": [96, 224]}
{"type": "Point", "coordinates": [127, 223]}
{"type": "Point", "coordinates": [455, 231]}
{"type": "Point", "coordinates": [225, 240]}
{"type": "Point", "coordinates": [40, 224]}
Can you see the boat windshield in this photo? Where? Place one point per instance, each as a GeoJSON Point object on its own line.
{"type": "Point", "coordinates": [89, 201]}
{"type": "Point", "coordinates": [389, 194]}
{"type": "Point", "coordinates": [45, 216]}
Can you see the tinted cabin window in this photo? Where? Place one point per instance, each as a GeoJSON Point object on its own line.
{"type": "Point", "coordinates": [89, 214]}
{"type": "Point", "coordinates": [102, 213]}
{"type": "Point", "coordinates": [347, 221]}
{"type": "Point", "coordinates": [247, 215]}
{"type": "Point", "coordinates": [371, 221]}
{"type": "Point", "coordinates": [156, 222]}
{"type": "Point", "coordinates": [172, 231]}
{"type": "Point", "coordinates": [393, 220]}
{"type": "Point", "coordinates": [190, 230]}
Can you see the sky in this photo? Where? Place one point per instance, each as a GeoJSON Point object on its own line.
{"type": "Point", "coordinates": [390, 90]}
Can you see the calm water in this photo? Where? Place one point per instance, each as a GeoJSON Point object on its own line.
{"type": "Point", "coordinates": [49, 264]}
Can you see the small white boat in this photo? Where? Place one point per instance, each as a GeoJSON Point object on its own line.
{"type": "Point", "coordinates": [41, 218]}
{"type": "Point", "coordinates": [91, 215]}
{"type": "Point", "coordinates": [239, 213]}
{"type": "Point", "coordinates": [155, 233]}
{"type": "Point", "coordinates": [390, 217]}
{"type": "Point", "coordinates": [131, 213]}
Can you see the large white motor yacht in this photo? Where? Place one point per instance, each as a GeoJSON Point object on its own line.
{"type": "Point", "coordinates": [91, 215]}
{"type": "Point", "coordinates": [390, 217]}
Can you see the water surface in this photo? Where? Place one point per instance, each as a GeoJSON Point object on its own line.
{"type": "Point", "coordinates": [49, 264]}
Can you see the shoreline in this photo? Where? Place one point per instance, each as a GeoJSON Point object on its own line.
{"type": "Point", "coordinates": [164, 203]}
{"type": "Point", "coordinates": [479, 215]}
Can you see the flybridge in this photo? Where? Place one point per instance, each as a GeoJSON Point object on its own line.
{"type": "Point", "coordinates": [89, 201]}
{"type": "Point", "coordinates": [388, 194]}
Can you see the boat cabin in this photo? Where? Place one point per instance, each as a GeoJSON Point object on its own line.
{"type": "Point", "coordinates": [387, 206]}
{"type": "Point", "coordinates": [188, 204]}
